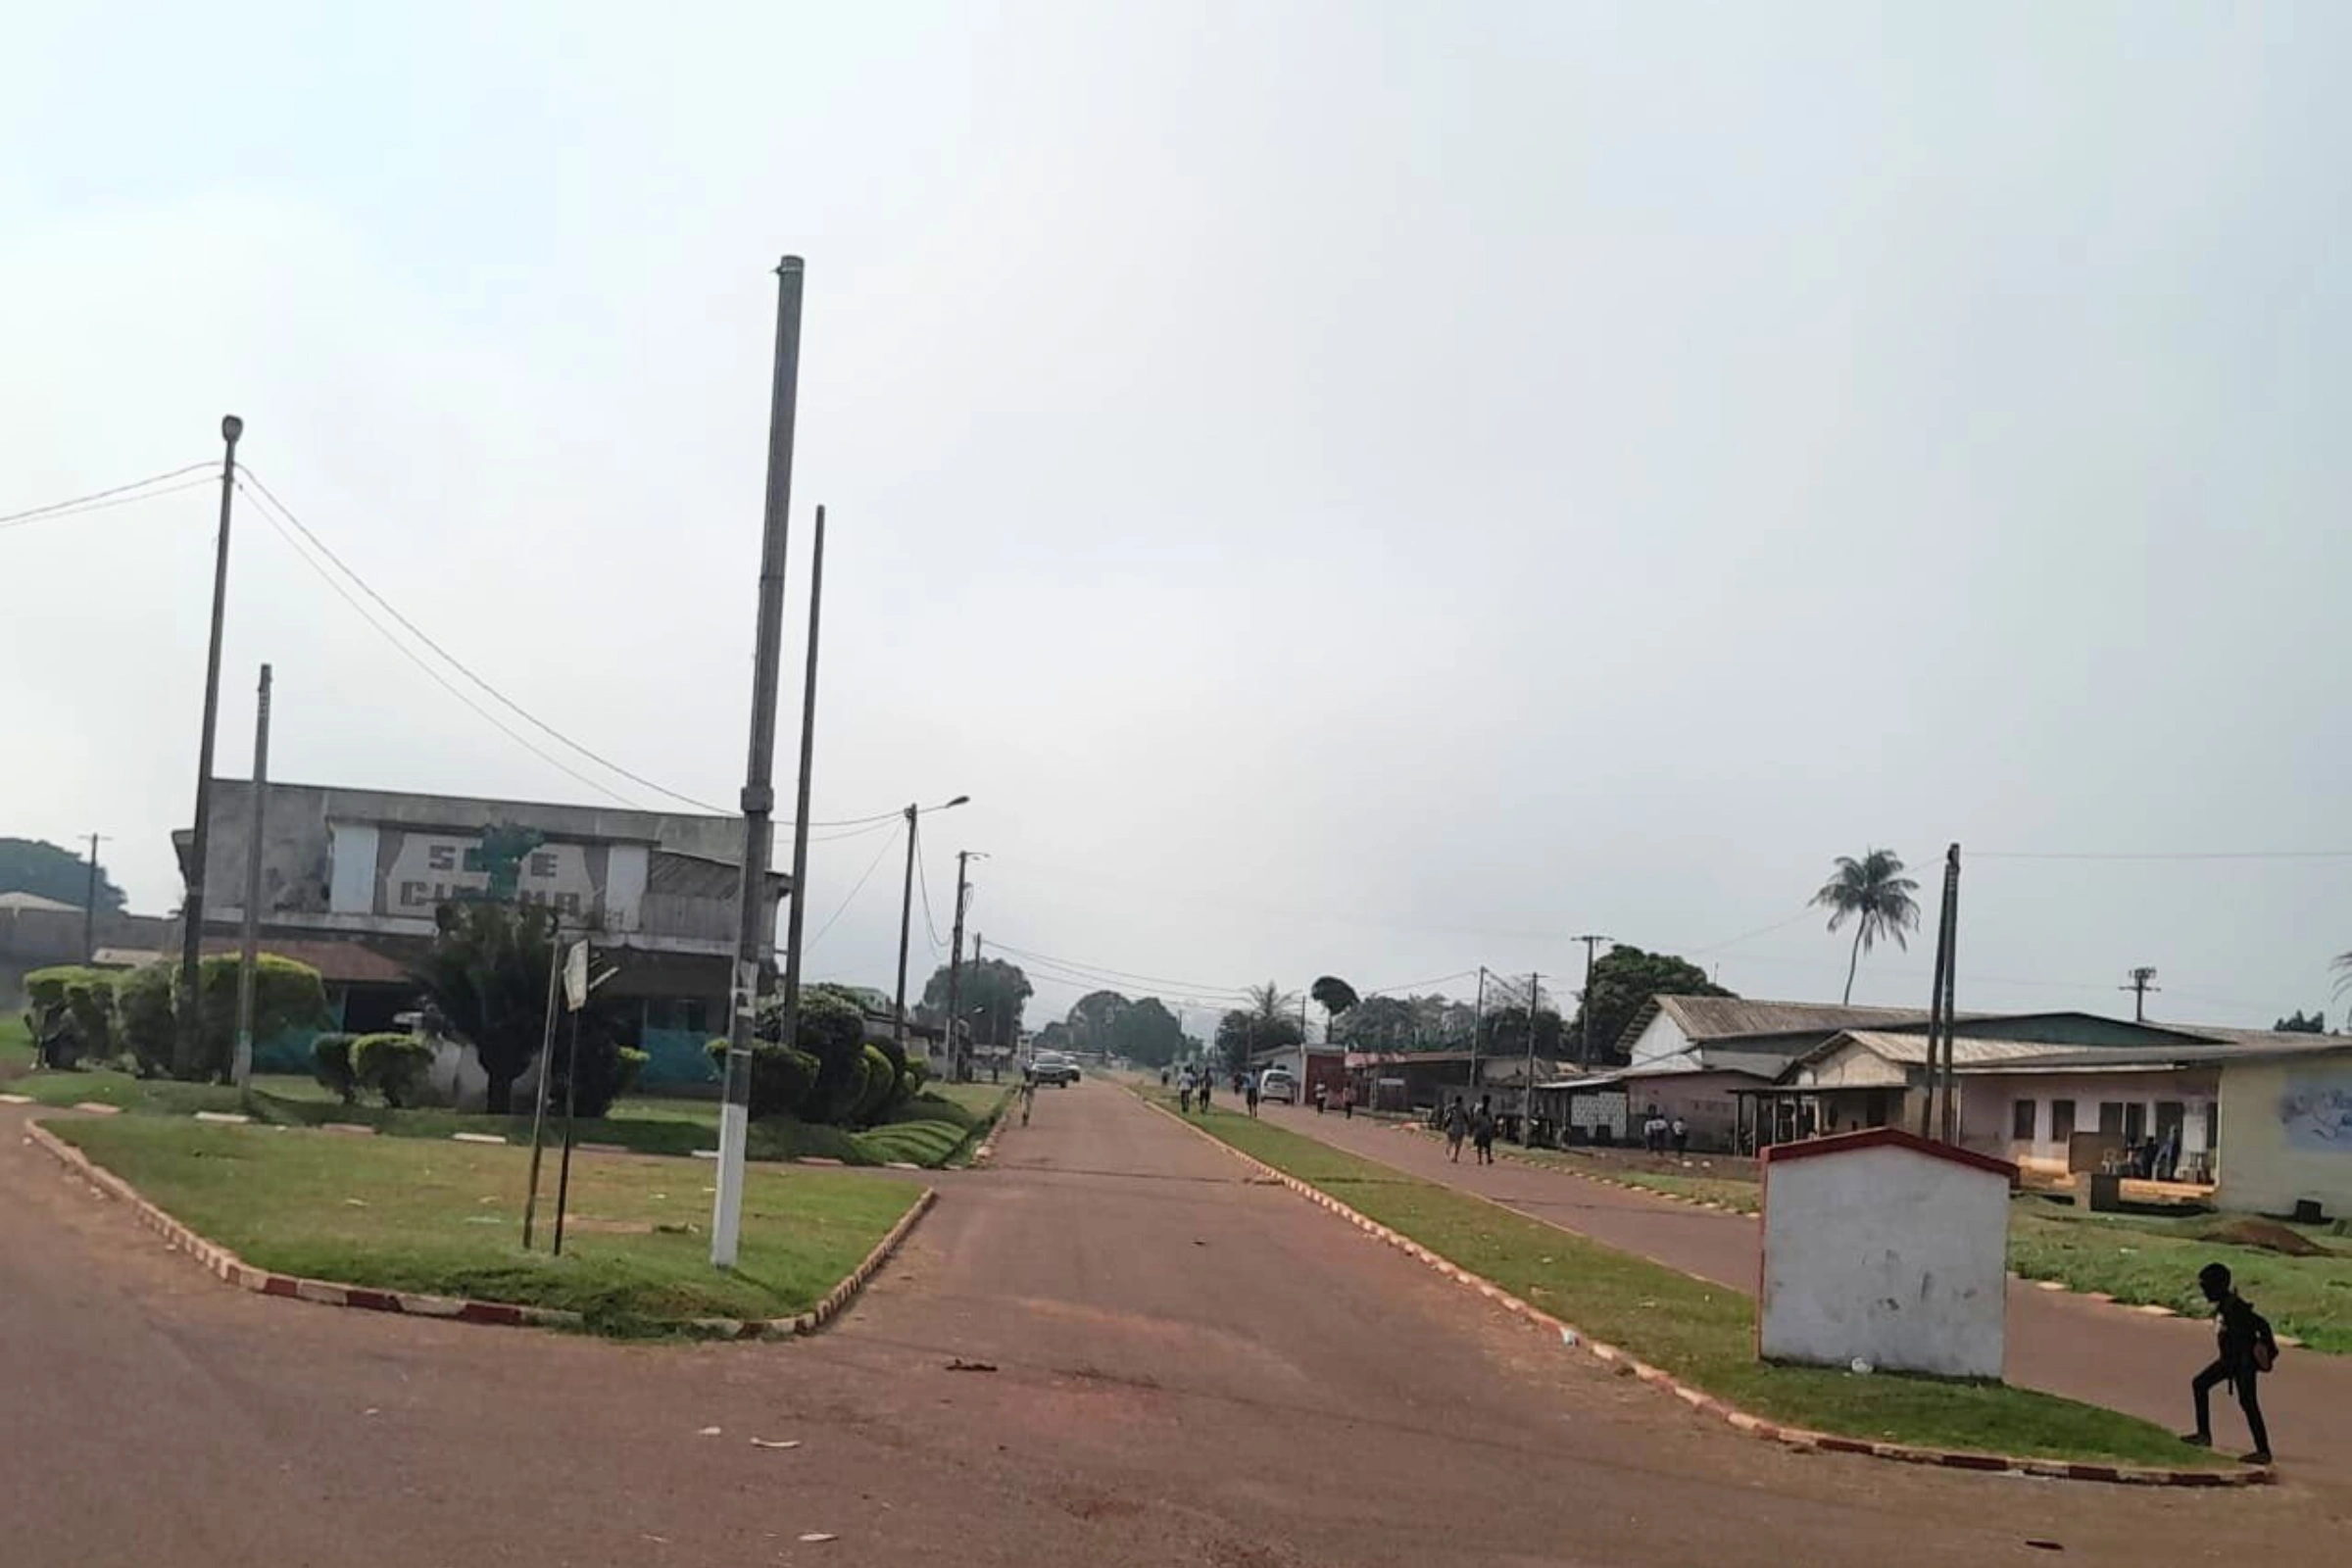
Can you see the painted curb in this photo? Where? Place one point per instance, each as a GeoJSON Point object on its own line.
{"type": "Point", "coordinates": [228, 1267]}
{"type": "Point", "coordinates": [1796, 1437]}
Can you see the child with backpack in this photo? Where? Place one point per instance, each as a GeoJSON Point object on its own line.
{"type": "Point", "coordinates": [2248, 1350]}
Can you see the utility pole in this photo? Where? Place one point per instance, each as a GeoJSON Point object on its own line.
{"type": "Point", "coordinates": [1527, 1089]}
{"type": "Point", "coordinates": [1940, 1117]}
{"type": "Point", "coordinates": [1951, 967]}
{"type": "Point", "coordinates": [906, 910]}
{"type": "Point", "coordinates": [955, 1050]}
{"type": "Point", "coordinates": [191, 905]}
{"type": "Point", "coordinates": [1584, 1046]}
{"type": "Point", "coordinates": [751, 940]}
{"type": "Point", "coordinates": [788, 1019]}
{"type": "Point", "coordinates": [89, 907]}
{"type": "Point", "coordinates": [2144, 981]}
{"type": "Point", "coordinates": [1478, 1014]}
{"type": "Point", "coordinates": [249, 950]}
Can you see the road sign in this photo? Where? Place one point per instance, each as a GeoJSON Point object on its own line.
{"type": "Point", "coordinates": [576, 975]}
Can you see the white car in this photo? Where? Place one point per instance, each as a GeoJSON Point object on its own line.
{"type": "Point", "coordinates": [1279, 1084]}
{"type": "Point", "coordinates": [1060, 1071]}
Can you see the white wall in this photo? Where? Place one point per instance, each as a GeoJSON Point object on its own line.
{"type": "Point", "coordinates": [1989, 1108]}
{"type": "Point", "coordinates": [351, 867]}
{"type": "Point", "coordinates": [1660, 1038]}
{"type": "Point", "coordinates": [2283, 1137]}
{"type": "Point", "coordinates": [1886, 1253]}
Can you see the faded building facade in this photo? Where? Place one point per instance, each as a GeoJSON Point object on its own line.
{"type": "Point", "coordinates": [352, 878]}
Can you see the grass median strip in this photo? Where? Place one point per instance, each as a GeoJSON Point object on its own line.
{"type": "Point", "coordinates": [1702, 1334]}
{"type": "Point", "coordinates": [445, 1219]}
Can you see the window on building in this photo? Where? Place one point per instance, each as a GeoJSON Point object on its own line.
{"type": "Point", "coordinates": [2213, 1127]}
{"type": "Point", "coordinates": [2021, 1120]}
{"type": "Point", "coordinates": [2171, 1116]}
{"type": "Point", "coordinates": [2111, 1119]}
{"type": "Point", "coordinates": [2135, 1122]}
{"type": "Point", "coordinates": [2062, 1121]}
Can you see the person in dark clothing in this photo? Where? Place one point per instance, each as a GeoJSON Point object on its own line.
{"type": "Point", "coordinates": [1457, 1122]}
{"type": "Point", "coordinates": [1482, 1128]}
{"type": "Point", "coordinates": [2248, 1350]}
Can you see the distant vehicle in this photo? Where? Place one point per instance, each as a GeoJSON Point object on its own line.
{"type": "Point", "coordinates": [1058, 1070]}
{"type": "Point", "coordinates": [1279, 1083]}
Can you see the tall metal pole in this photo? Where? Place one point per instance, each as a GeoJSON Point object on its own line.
{"type": "Point", "coordinates": [571, 1084]}
{"type": "Point", "coordinates": [788, 1019]}
{"type": "Point", "coordinates": [955, 1050]}
{"type": "Point", "coordinates": [1477, 1014]}
{"type": "Point", "coordinates": [90, 906]}
{"type": "Point", "coordinates": [1951, 965]}
{"type": "Point", "coordinates": [1527, 1089]}
{"type": "Point", "coordinates": [898, 1027]}
{"type": "Point", "coordinates": [191, 907]}
{"type": "Point", "coordinates": [249, 949]}
{"type": "Point", "coordinates": [547, 1067]}
{"type": "Point", "coordinates": [752, 937]}
{"type": "Point", "coordinates": [1584, 1046]}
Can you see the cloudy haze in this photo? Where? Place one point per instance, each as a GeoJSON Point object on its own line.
{"type": "Point", "coordinates": [1373, 488]}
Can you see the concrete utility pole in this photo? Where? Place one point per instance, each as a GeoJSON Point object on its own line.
{"type": "Point", "coordinates": [906, 910]}
{"type": "Point", "coordinates": [2144, 981]}
{"type": "Point", "coordinates": [759, 786]}
{"type": "Point", "coordinates": [1477, 1014]}
{"type": "Point", "coordinates": [788, 1019]}
{"type": "Point", "coordinates": [191, 905]}
{"type": "Point", "coordinates": [1939, 1116]}
{"type": "Point", "coordinates": [90, 906]}
{"type": "Point", "coordinates": [956, 1052]}
{"type": "Point", "coordinates": [249, 949]}
{"type": "Point", "coordinates": [1527, 1090]}
{"type": "Point", "coordinates": [1584, 1006]}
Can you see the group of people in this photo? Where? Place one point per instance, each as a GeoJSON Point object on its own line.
{"type": "Point", "coordinates": [1659, 1133]}
{"type": "Point", "coordinates": [1478, 1125]}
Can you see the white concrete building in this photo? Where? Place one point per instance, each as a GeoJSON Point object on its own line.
{"type": "Point", "coordinates": [2287, 1127]}
{"type": "Point", "coordinates": [1882, 1247]}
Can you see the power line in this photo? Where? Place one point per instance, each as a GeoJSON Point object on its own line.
{"type": "Point", "coordinates": [1410, 986]}
{"type": "Point", "coordinates": [2184, 855]}
{"type": "Point", "coordinates": [98, 500]}
{"type": "Point", "coordinates": [887, 845]}
{"type": "Point", "coordinates": [411, 654]}
{"type": "Point", "coordinates": [1122, 974]}
{"type": "Point", "coordinates": [1805, 914]}
{"type": "Point", "coordinates": [922, 874]}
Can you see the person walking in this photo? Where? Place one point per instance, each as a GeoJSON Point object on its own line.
{"type": "Point", "coordinates": [1482, 1128]}
{"type": "Point", "coordinates": [1206, 1079]}
{"type": "Point", "coordinates": [1347, 1101]}
{"type": "Point", "coordinates": [1322, 1097]}
{"type": "Point", "coordinates": [1249, 1090]}
{"type": "Point", "coordinates": [1028, 1093]}
{"type": "Point", "coordinates": [1184, 1092]}
{"type": "Point", "coordinates": [1681, 1132]}
{"type": "Point", "coordinates": [2247, 1349]}
{"type": "Point", "coordinates": [1457, 1124]}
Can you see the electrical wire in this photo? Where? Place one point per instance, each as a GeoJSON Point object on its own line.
{"type": "Point", "coordinates": [98, 500]}
{"type": "Point", "coordinates": [409, 654]}
{"type": "Point", "coordinates": [887, 846]}
{"type": "Point", "coordinates": [1123, 974]}
{"type": "Point", "coordinates": [2185, 855]}
{"type": "Point", "coordinates": [922, 874]}
{"type": "Point", "coordinates": [1410, 986]}
{"type": "Point", "coordinates": [1805, 914]}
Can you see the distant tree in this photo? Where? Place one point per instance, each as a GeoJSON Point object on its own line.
{"type": "Point", "coordinates": [43, 869]}
{"type": "Point", "coordinates": [1054, 1037]}
{"type": "Point", "coordinates": [1148, 1034]}
{"type": "Point", "coordinates": [1504, 1031]}
{"type": "Point", "coordinates": [991, 994]}
{"type": "Point", "coordinates": [1334, 996]}
{"type": "Point", "coordinates": [1269, 1002]}
{"type": "Point", "coordinates": [1624, 979]}
{"type": "Point", "coordinates": [1875, 895]}
{"type": "Point", "coordinates": [2316, 1024]}
{"type": "Point", "coordinates": [487, 976]}
{"type": "Point", "coordinates": [1243, 1032]}
{"type": "Point", "coordinates": [1379, 1023]}
{"type": "Point", "coordinates": [1094, 1019]}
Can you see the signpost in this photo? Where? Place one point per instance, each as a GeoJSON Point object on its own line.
{"type": "Point", "coordinates": [576, 986]}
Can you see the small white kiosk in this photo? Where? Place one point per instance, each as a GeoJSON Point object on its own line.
{"type": "Point", "coordinates": [1884, 1248]}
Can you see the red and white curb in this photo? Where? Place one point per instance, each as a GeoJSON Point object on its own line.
{"type": "Point", "coordinates": [231, 1269]}
{"type": "Point", "coordinates": [1699, 1399]}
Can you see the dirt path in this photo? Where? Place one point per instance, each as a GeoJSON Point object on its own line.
{"type": "Point", "coordinates": [1190, 1368]}
{"type": "Point", "coordinates": [2063, 1344]}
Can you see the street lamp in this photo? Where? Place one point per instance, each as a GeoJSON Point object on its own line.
{"type": "Point", "coordinates": [905, 914]}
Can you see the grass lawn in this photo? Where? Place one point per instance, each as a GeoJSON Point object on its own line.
{"type": "Point", "coordinates": [447, 1219]}
{"type": "Point", "coordinates": [2138, 1260]}
{"type": "Point", "coordinates": [926, 1131]}
{"type": "Point", "coordinates": [15, 1043]}
{"type": "Point", "coordinates": [1702, 1333]}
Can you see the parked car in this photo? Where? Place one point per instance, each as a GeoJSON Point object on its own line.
{"type": "Point", "coordinates": [1060, 1071]}
{"type": "Point", "coordinates": [1279, 1083]}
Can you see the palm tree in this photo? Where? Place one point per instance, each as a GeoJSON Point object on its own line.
{"type": "Point", "coordinates": [1270, 1002]}
{"type": "Point", "coordinates": [1875, 895]}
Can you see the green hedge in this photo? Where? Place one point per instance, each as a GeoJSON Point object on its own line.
{"type": "Point", "coordinates": [330, 1064]}
{"type": "Point", "coordinates": [392, 1065]}
{"type": "Point", "coordinates": [70, 1015]}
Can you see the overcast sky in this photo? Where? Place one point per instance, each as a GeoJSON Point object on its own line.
{"type": "Point", "coordinates": [1374, 488]}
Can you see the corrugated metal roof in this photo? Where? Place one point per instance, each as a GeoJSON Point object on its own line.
{"type": "Point", "coordinates": [33, 901]}
{"type": "Point", "coordinates": [2275, 1046]}
{"type": "Point", "coordinates": [1912, 1049]}
{"type": "Point", "coordinates": [1703, 1019]}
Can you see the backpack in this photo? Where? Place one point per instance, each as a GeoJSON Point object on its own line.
{"type": "Point", "coordinates": [2266, 1343]}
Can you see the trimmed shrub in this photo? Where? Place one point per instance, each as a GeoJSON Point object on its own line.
{"type": "Point", "coordinates": [607, 1070]}
{"type": "Point", "coordinates": [392, 1065]}
{"type": "Point", "coordinates": [143, 1008]}
{"type": "Point", "coordinates": [70, 1015]}
{"type": "Point", "coordinates": [330, 1064]}
{"type": "Point", "coordinates": [781, 1078]}
{"type": "Point", "coordinates": [880, 1087]}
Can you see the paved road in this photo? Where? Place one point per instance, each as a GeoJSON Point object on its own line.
{"type": "Point", "coordinates": [1190, 1368]}
{"type": "Point", "coordinates": [2060, 1343]}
